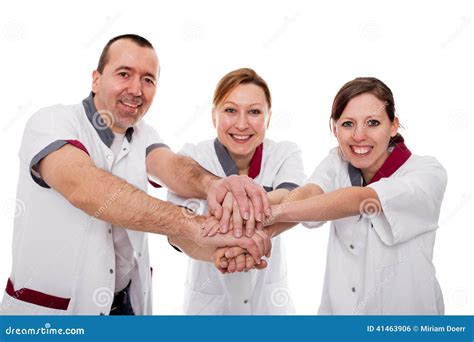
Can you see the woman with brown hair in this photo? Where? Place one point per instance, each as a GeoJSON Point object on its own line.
{"type": "Point", "coordinates": [383, 203]}
{"type": "Point", "coordinates": [241, 115]}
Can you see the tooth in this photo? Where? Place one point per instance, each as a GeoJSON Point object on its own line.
{"type": "Point", "coordinates": [241, 137]}
{"type": "Point", "coordinates": [361, 150]}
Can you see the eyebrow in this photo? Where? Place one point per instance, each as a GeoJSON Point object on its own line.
{"type": "Point", "coordinates": [235, 104]}
{"type": "Point", "coordinates": [123, 67]}
{"type": "Point", "coordinates": [377, 116]}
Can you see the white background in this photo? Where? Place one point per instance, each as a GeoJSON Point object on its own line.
{"type": "Point", "coordinates": [306, 51]}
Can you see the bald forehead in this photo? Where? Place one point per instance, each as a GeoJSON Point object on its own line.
{"type": "Point", "coordinates": [126, 51]}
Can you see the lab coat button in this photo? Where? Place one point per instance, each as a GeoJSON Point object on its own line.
{"type": "Point", "coordinates": [139, 255]}
{"type": "Point", "coordinates": [109, 157]}
{"type": "Point", "coordinates": [102, 314]}
{"type": "Point", "coordinates": [246, 301]}
{"type": "Point", "coordinates": [110, 231]}
{"type": "Point", "coordinates": [351, 246]}
{"type": "Point", "coordinates": [372, 225]}
{"type": "Point", "coordinates": [111, 271]}
{"type": "Point", "coordinates": [353, 289]}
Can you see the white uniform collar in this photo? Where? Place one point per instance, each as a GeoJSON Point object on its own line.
{"type": "Point", "coordinates": [104, 132]}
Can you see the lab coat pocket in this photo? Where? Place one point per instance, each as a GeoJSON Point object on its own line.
{"type": "Point", "coordinates": [26, 301]}
{"type": "Point", "coordinates": [13, 306]}
{"type": "Point", "coordinates": [275, 299]}
{"type": "Point", "coordinates": [201, 303]}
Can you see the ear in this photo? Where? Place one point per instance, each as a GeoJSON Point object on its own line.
{"type": "Point", "coordinates": [395, 125]}
{"type": "Point", "coordinates": [214, 117]}
{"type": "Point", "coordinates": [269, 117]}
{"type": "Point", "coordinates": [333, 128]}
{"type": "Point", "coordinates": [95, 81]}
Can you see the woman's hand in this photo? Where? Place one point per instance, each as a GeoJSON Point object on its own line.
{"type": "Point", "coordinates": [235, 259]}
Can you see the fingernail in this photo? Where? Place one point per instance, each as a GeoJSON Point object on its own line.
{"type": "Point", "coordinates": [268, 212]}
{"type": "Point", "coordinates": [224, 227]}
{"type": "Point", "coordinates": [259, 217]}
{"type": "Point", "coordinates": [238, 232]}
{"type": "Point", "coordinates": [246, 216]}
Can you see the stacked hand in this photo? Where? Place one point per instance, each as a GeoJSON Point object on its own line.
{"type": "Point", "coordinates": [237, 205]}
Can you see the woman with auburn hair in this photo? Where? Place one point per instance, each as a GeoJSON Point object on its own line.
{"type": "Point", "coordinates": [241, 115]}
{"type": "Point", "coordinates": [383, 203]}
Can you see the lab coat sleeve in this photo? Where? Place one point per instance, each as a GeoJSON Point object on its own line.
{"type": "Point", "coordinates": [46, 131]}
{"type": "Point", "coordinates": [411, 203]}
{"type": "Point", "coordinates": [324, 176]}
{"type": "Point", "coordinates": [153, 139]}
{"type": "Point", "coordinates": [291, 173]}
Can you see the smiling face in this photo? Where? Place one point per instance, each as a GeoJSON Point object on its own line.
{"type": "Point", "coordinates": [127, 85]}
{"type": "Point", "coordinates": [363, 131]}
{"type": "Point", "coordinates": [241, 120]}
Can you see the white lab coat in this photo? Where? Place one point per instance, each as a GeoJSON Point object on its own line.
{"type": "Point", "coordinates": [207, 291]}
{"type": "Point", "coordinates": [382, 265]}
{"type": "Point", "coordinates": [60, 251]}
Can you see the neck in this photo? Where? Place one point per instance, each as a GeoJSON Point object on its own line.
{"type": "Point", "coordinates": [369, 173]}
{"type": "Point", "coordinates": [107, 117]}
{"type": "Point", "coordinates": [242, 162]}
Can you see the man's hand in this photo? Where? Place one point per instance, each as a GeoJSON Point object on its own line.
{"type": "Point", "coordinates": [243, 189]}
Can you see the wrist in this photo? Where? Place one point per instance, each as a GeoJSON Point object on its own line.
{"type": "Point", "coordinates": [190, 227]}
{"type": "Point", "coordinates": [277, 213]}
{"type": "Point", "coordinates": [209, 182]}
{"type": "Point", "coordinates": [271, 231]}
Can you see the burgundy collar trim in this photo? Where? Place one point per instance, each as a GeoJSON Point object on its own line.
{"type": "Point", "coordinates": [395, 160]}
{"type": "Point", "coordinates": [229, 166]}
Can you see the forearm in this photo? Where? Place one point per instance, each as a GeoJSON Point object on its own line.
{"type": "Point", "coordinates": [280, 227]}
{"type": "Point", "coordinates": [193, 250]}
{"type": "Point", "coordinates": [187, 178]}
{"type": "Point", "coordinates": [326, 207]}
{"type": "Point", "coordinates": [109, 198]}
{"type": "Point", "coordinates": [277, 196]}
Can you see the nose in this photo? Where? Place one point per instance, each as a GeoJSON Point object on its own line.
{"type": "Point", "coordinates": [242, 122]}
{"type": "Point", "coordinates": [359, 133]}
{"type": "Point", "coordinates": [135, 86]}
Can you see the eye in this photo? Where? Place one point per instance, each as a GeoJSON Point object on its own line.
{"type": "Point", "coordinates": [149, 80]}
{"type": "Point", "coordinates": [124, 74]}
{"type": "Point", "coordinates": [254, 111]}
{"type": "Point", "coordinates": [229, 110]}
{"type": "Point", "coordinates": [373, 122]}
{"type": "Point", "coordinates": [347, 124]}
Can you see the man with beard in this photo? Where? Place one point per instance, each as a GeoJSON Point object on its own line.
{"type": "Point", "coordinates": [80, 246]}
